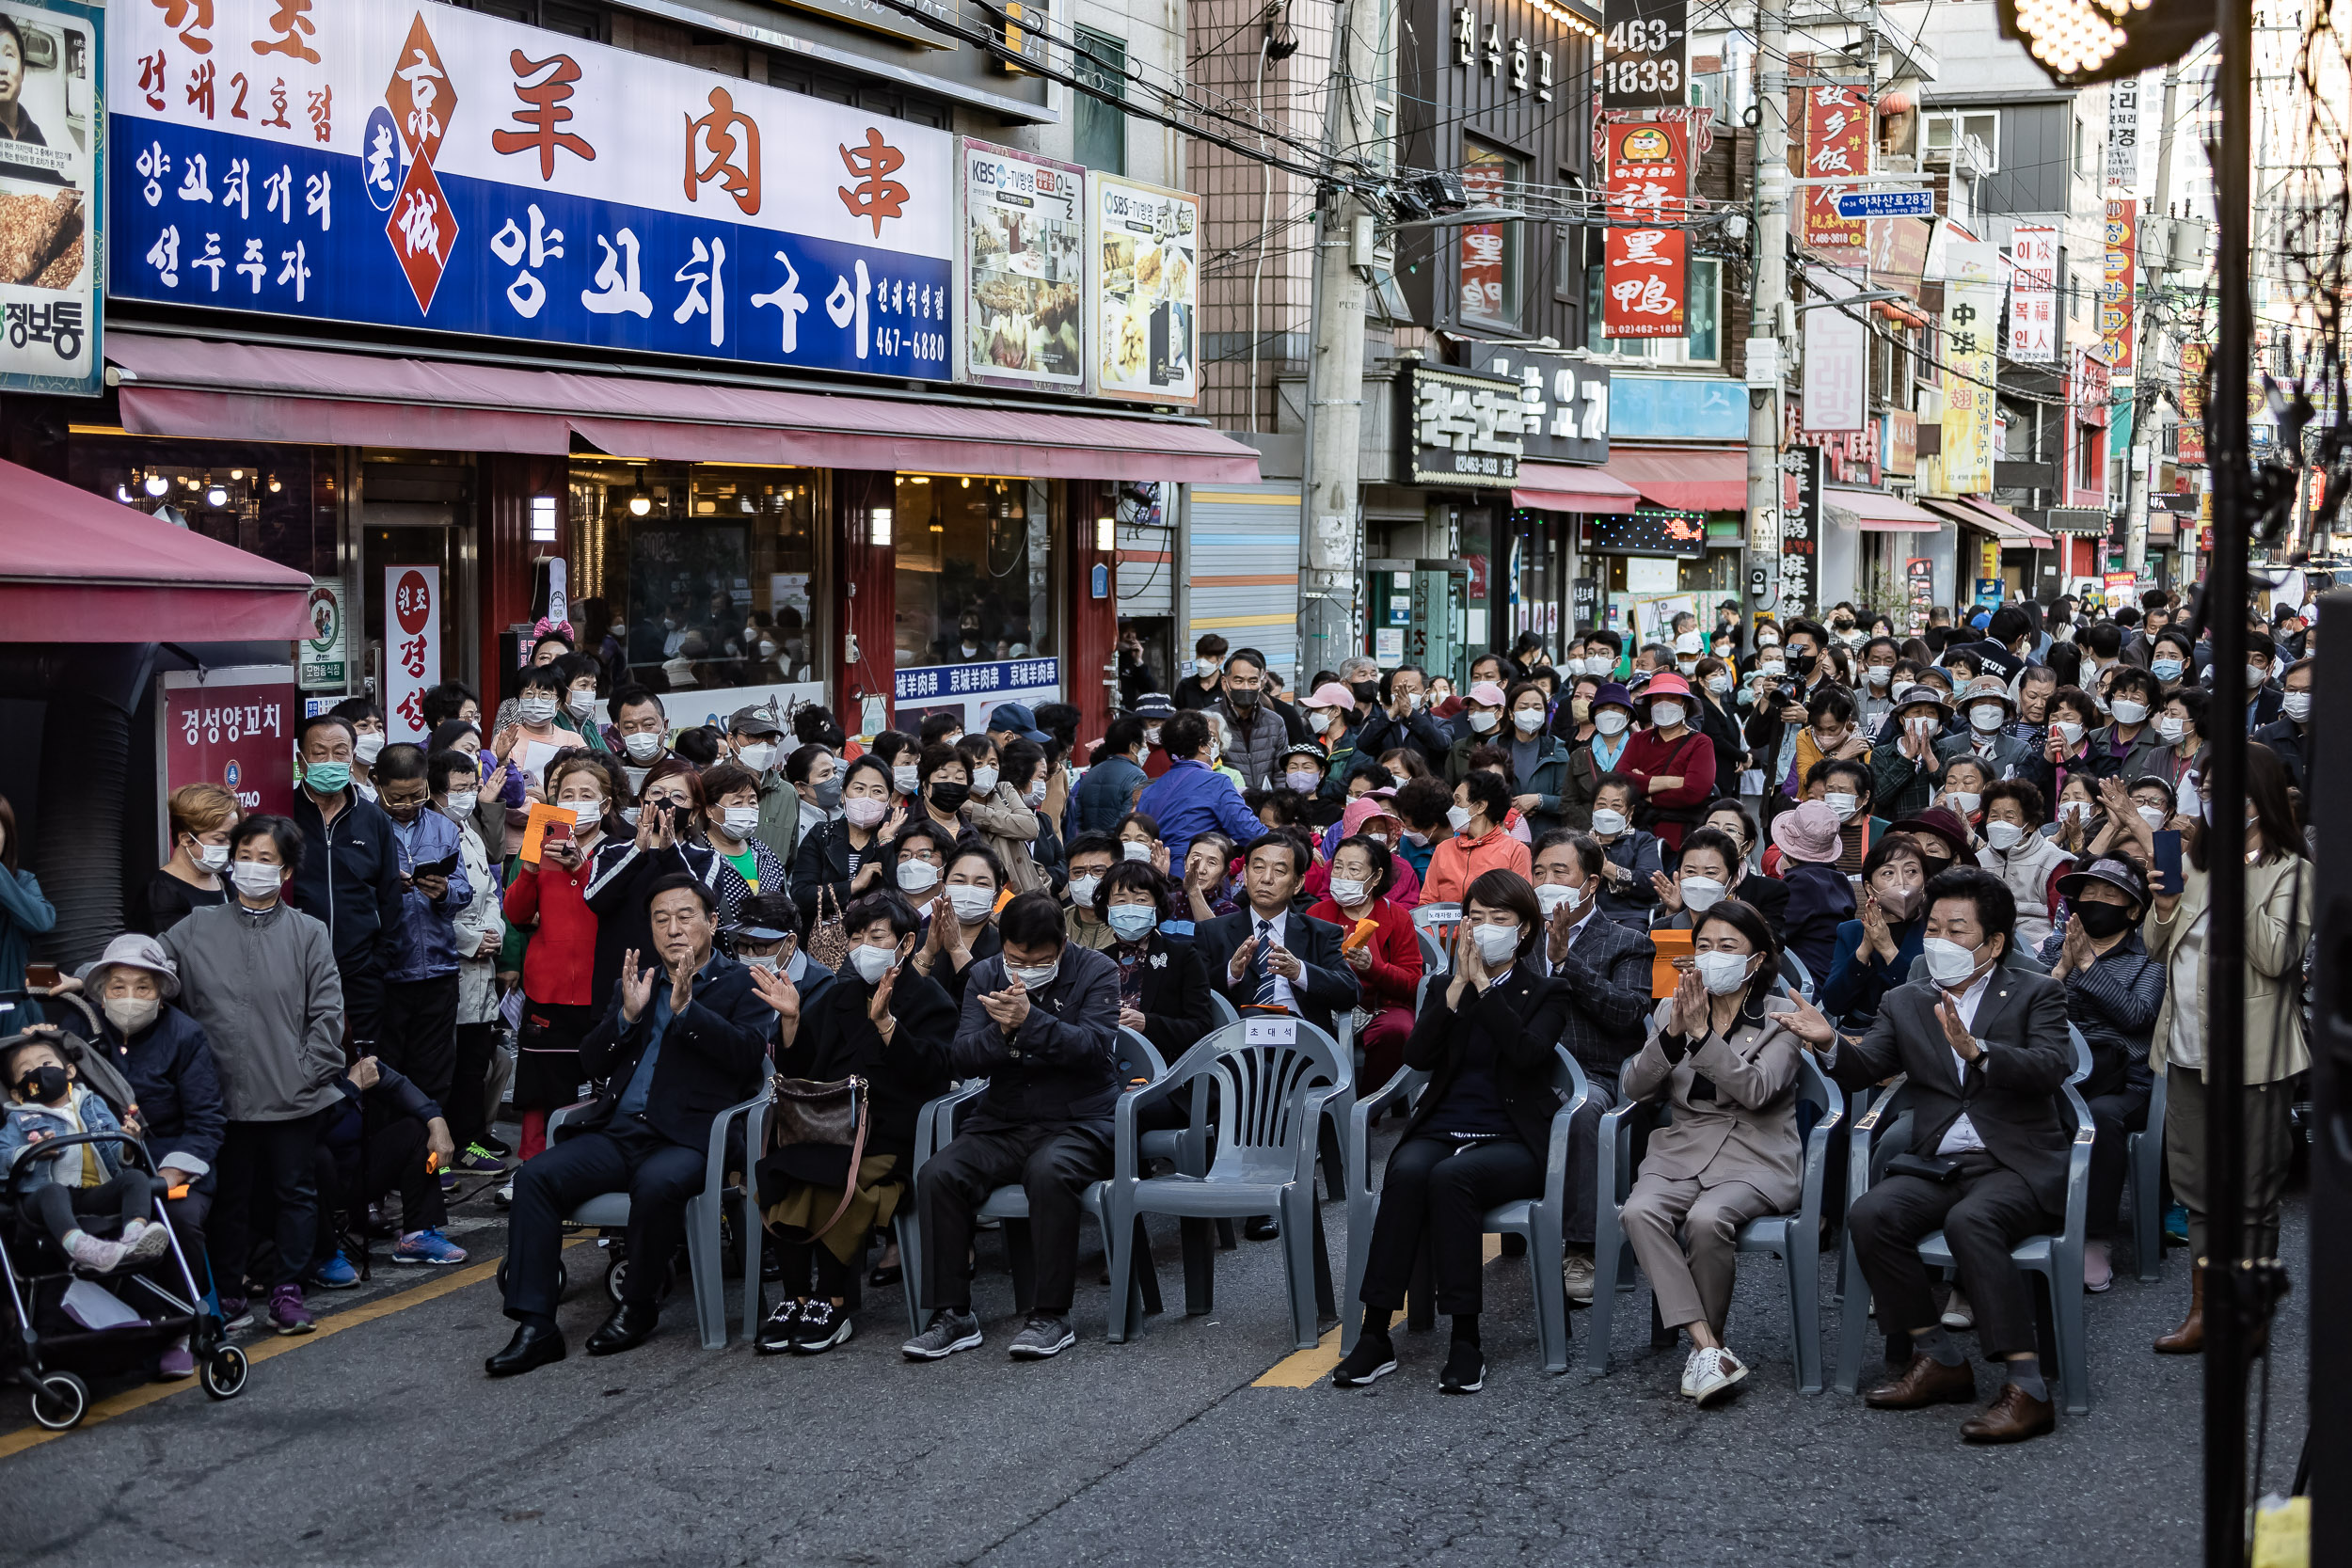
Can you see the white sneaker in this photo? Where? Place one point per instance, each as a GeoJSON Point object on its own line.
{"type": "Point", "coordinates": [1691, 1373]}
{"type": "Point", "coordinates": [99, 1257]}
{"type": "Point", "coordinates": [1958, 1315]}
{"type": "Point", "coordinates": [1576, 1278]}
{"type": "Point", "coordinates": [143, 1240]}
{"type": "Point", "coordinates": [1712, 1374]}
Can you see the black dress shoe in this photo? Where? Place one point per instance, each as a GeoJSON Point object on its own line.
{"type": "Point", "coordinates": [532, 1347]}
{"type": "Point", "coordinates": [1263, 1227]}
{"type": "Point", "coordinates": [630, 1326]}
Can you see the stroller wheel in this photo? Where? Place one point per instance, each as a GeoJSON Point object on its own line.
{"type": "Point", "coordinates": [223, 1376]}
{"type": "Point", "coordinates": [61, 1401]}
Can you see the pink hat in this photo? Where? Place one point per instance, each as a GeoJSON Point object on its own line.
{"type": "Point", "coordinates": [1362, 810]}
{"type": "Point", "coordinates": [1486, 692]}
{"type": "Point", "coordinates": [1329, 694]}
{"type": "Point", "coordinates": [1807, 834]}
{"type": "Point", "coordinates": [1665, 683]}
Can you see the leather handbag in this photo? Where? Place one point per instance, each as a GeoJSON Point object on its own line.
{"type": "Point", "coordinates": [829, 938]}
{"type": "Point", "coordinates": [816, 1135]}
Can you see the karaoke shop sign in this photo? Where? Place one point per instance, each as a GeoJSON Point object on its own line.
{"type": "Point", "coordinates": [418, 165]}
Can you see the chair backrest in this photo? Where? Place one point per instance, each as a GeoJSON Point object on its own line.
{"type": "Point", "coordinates": [1432, 953]}
{"type": "Point", "coordinates": [1223, 1006]}
{"type": "Point", "coordinates": [1272, 1075]}
{"type": "Point", "coordinates": [1814, 1086]}
{"type": "Point", "coordinates": [1138, 1059]}
{"type": "Point", "coordinates": [1793, 970]}
{"type": "Point", "coordinates": [1436, 924]}
{"type": "Point", "coordinates": [2082, 1055]}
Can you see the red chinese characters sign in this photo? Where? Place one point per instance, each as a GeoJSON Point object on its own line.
{"type": "Point", "coordinates": [412, 647]}
{"type": "Point", "coordinates": [1645, 292]}
{"type": "Point", "coordinates": [1837, 142]}
{"type": "Point", "coordinates": [233, 727]}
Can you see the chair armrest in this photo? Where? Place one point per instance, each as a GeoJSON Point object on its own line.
{"type": "Point", "coordinates": [927, 1120]}
{"type": "Point", "coordinates": [1126, 1144]}
{"type": "Point", "coordinates": [1864, 1132]}
{"type": "Point", "coordinates": [1359, 1125]}
{"type": "Point", "coordinates": [2079, 1163]}
{"type": "Point", "coordinates": [1556, 1151]}
{"type": "Point", "coordinates": [715, 1161]}
{"type": "Point", "coordinates": [563, 1114]}
{"type": "Point", "coordinates": [1614, 1153]}
{"type": "Point", "coordinates": [1817, 1164]}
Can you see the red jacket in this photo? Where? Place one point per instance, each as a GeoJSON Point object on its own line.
{"type": "Point", "coordinates": [559, 966]}
{"type": "Point", "coordinates": [1396, 962]}
{"type": "Point", "coordinates": [1692, 759]}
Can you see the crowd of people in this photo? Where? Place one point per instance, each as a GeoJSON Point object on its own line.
{"type": "Point", "coordinates": [1924, 854]}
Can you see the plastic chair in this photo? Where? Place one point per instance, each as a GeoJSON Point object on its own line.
{"type": "Point", "coordinates": [1795, 1239]}
{"type": "Point", "coordinates": [608, 1213]}
{"type": "Point", "coordinates": [2057, 1260]}
{"type": "Point", "coordinates": [2143, 1164]}
{"type": "Point", "coordinates": [1432, 954]}
{"type": "Point", "coordinates": [1799, 978]}
{"type": "Point", "coordinates": [1222, 1005]}
{"type": "Point", "coordinates": [1538, 1221]}
{"type": "Point", "coordinates": [1436, 924]}
{"type": "Point", "coordinates": [1274, 1078]}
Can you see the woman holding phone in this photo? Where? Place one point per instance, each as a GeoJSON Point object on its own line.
{"type": "Point", "coordinates": [547, 902]}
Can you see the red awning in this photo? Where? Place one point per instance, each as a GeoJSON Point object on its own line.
{"type": "Point", "coordinates": [1688, 479]}
{"type": "Point", "coordinates": [2013, 532]}
{"type": "Point", "coordinates": [76, 567]}
{"type": "Point", "coordinates": [1564, 487]}
{"type": "Point", "coordinates": [1881, 513]}
{"type": "Point", "coordinates": [244, 391]}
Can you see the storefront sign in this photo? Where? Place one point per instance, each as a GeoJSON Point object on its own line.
{"type": "Point", "coordinates": [1799, 530]}
{"type": "Point", "coordinates": [1645, 53]}
{"type": "Point", "coordinates": [1836, 141]}
{"type": "Point", "coordinates": [2115, 289]}
{"type": "Point", "coordinates": [876, 17]}
{"type": "Point", "coordinates": [1024, 221]}
{"type": "Point", "coordinates": [1463, 430]}
{"type": "Point", "coordinates": [412, 647]}
{"type": "Point", "coordinates": [1563, 407]}
{"type": "Point", "coordinates": [2033, 295]}
{"type": "Point", "coordinates": [1647, 530]}
{"type": "Point", "coordinates": [1898, 249]}
{"type": "Point", "coordinates": [1147, 288]}
{"type": "Point", "coordinates": [426, 167]}
{"type": "Point", "coordinates": [1836, 357]}
{"type": "Point", "coordinates": [1971, 314]}
{"type": "Point", "coordinates": [972, 692]}
{"type": "Point", "coordinates": [1899, 444]}
{"type": "Point", "coordinates": [1646, 282]}
{"type": "Point", "coordinates": [2191, 430]}
{"type": "Point", "coordinates": [234, 727]}
{"type": "Point", "coordinates": [324, 665]}
{"type": "Point", "coordinates": [1919, 589]}
{"type": "Point", "coordinates": [1480, 45]}
{"type": "Point", "coordinates": [2123, 131]}
{"type": "Point", "coordinates": [52, 198]}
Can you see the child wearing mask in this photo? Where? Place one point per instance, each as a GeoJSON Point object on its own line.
{"type": "Point", "coordinates": [47, 1100]}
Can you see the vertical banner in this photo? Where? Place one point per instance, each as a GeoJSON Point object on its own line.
{"type": "Point", "coordinates": [1836, 359]}
{"type": "Point", "coordinates": [52, 196]}
{"type": "Point", "coordinates": [1970, 310]}
{"type": "Point", "coordinates": [234, 727]}
{"type": "Point", "coordinates": [1919, 590]}
{"type": "Point", "coordinates": [1645, 287]}
{"type": "Point", "coordinates": [2192, 434]}
{"type": "Point", "coordinates": [1836, 141]}
{"type": "Point", "coordinates": [322, 657]}
{"type": "Point", "coordinates": [2123, 131]}
{"type": "Point", "coordinates": [1800, 527]}
{"type": "Point", "coordinates": [2033, 295]}
{"type": "Point", "coordinates": [2114, 290]}
{"type": "Point", "coordinates": [412, 647]}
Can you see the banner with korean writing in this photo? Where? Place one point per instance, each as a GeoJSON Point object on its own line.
{"type": "Point", "coordinates": [1836, 394]}
{"type": "Point", "coordinates": [425, 166]}
{"type": "Point", "coordinates": [2115, 287]}
{"type": "Point", "coordinates": [2033, 294]}
{"type": "Point", "coordinates": [1805, 473]}
{"type": "Point", "coordinates": [1645, 288]}
{"type": "Point", "coordinates": [1147, 292]}
{"type": "Point", "coordinates": [1971, 314]}
{"type": "Point", "coordinates": [2192, 426]}
{"type": "Point", "coordinates": [234, 727]}
{"type": "Point", "coordinates": [2123, 131]}
{"type": "Point", "coordinates": [412, 647]}
{"type": "Point", "coordinates": [1836, 141]}
{"type": "Point", "coordinates": [1024, 276]}
{"type": "Point", "coordinates": [52, 197]}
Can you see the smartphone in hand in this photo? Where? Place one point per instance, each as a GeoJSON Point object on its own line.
{"type": "Point", "coordinates": [2168, 862]}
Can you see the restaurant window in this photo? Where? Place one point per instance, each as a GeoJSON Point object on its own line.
{"type": "Point", "coordinates": [1704, 317]}
{"type": "Point", "coordinates": [1099, 130]}
{"type": "Point", "coordinates": [703, 571]}
{"type": "Point", "coordinates": [974, 558]}
{"type": "Point", "coordinates": [274, 501]}
{"type": "Point", "coordinates": [1489, 253]}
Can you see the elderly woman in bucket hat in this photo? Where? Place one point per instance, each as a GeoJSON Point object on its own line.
{"type": "Point", "coordinates": [1820, 897]}
{"type": "Point", "coordinates": [1904, 763]}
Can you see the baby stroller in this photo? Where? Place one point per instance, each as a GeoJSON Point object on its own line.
{"type": "Point", "coordinates": [49, 1340]}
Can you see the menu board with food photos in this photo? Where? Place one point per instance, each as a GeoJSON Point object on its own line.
{"type": "Point", "coordinates": [1147, 291]}
{"type": "Point", "coordinates": [1025, 222]}
{"type": "Point", "coordinates": [52, 196]}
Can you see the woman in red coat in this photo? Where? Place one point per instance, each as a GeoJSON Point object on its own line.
{"type": "Point", "coordinates": [1670, 762]}
{"type": "Point", "coordinates": [1387, 966]}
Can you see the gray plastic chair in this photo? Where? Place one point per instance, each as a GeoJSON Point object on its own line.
{"type": "Point", "coordinates": [1271, 1095]}
{"type": "Point", "coordinates": [1538, 1221]}
{"type": "Point", "coordinates": [1795, 1239]}
{"type": "Point", "coordinates": [1795, 975]}
{"type": "Point", "coordinates": [1222, 1005]}
{"type": "Point", "coordinates": [608, 1214]}
{"type": "Point", "coordinates": [2056, 1259]}
{"type": "Point", "coordinates": [2143, 1164]}
{"type": "Point", "coordinates": [1435, 924]}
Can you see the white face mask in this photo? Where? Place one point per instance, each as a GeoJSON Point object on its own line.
{"type": "Point", "coordinates": [863, 811]}
{"type": "Point", "coordinates": [2003, 835]}
{"type": "Point", "coordinates": [1457, 818]}
{"type": "Point", "coordinates": [1609, 721]}
{"type": "Point", "coordinates": [917, 875]}
{"type": "Point", "coordinates": [2074, 811]}
{"type": "Point", "coordinates": [1550, 895]}
{"type": "Point", "coordinates": [970, 903]}
{"type": "Point", "coordinates": [583, 704]}
{"type": "Point", "coordinates": [1034, 796]}
{"type": "Point", "coordinates": [367, 749]}
{"type": "Point", "coordinates": [643, 746]}
{"type": "Point", "coordinates": [1923, 724]}
{"type": "Point", "coordinates": [1948, 962]}
{"type": "Point", "coordinates": [904, 779]}
{"type": "Point", "coordinates": [1301, 781]}
{"type": "Point", "coordinates": [367, 792]}
{"type": "Point", "coordinates": [1607, 823]}
{"type": "Point", "coordinates": [1131, 850]}
{"type": "Point", "coordinates": [1688, 666]}
{"type": "Point", "coordinates": [2255, 675]}
{"type": "Point", "coordinates": [537, 708]}
{"type": "Point", "coordinates": [1723, 973]}
{"type": "Point", "coordinates": [1879, 675]}
{"type": "Point", "coordinates": [757, 756]}
{"type": "Point", "coordinates": [132, 1014]}
{"type": "Point", "coordinates": [2171, 728]}
{"type": "Point", "coordinates": [1718, 684]}
{"type": "Point", "coordinates": [1665, 715]}
{"type": "Point", "coordinates": [1151, 734]}
{"type": "Point", "coordinates": [462, 802]}
{"type": "Point", "coordinates": [984, 781]}
{"type": "Point", "coordinates": [1497, 944]}
{"type": "Point", "coordinates": [212, 857]}
{"type": "Point", "coordinates": [1346, 892]}
{"type": "Point", "coordinates": [2127, 711]}
{"type": "Point", "coordinates": [1412, 701]}
{"type": "Point", "coordinates": [2153, 815]}
{"type": "Point", "coordinates": [1987, 716]}
{"type": "Point", "coordinates": [769, 962]}
{"type": "Point", "coordinates": [2069, 730]}
{"type": "Point", "coordinates": [872, 962]}
{"type": "Point", "coordinates": [254, 878]}
{"type": "Point", "coordinates": [1964, 801]}
{"type": "Point", "coordinates": [1033, 976]}
{"type": "Point", "coordinates": [1770, 666]}
{"type": "Point", "coordinates": [1527, 720]}
{"type": "Point", "coordinates": [1082, 890]}
{"type": "Point", "coordinates": [1701, 894]}
{"type": "Point", "coordinates": [1205, 667]}
{"type": "Point", "coordinates": [740, 820]}
{"type": "Point", "coordinates": [2296, 705]}
{"type": "Point", "coordinates": [630, 813]}
{"type": "Point", "coordinates": [1484, 723]}
{"type": "Point", "coordinates": [1842, 802]}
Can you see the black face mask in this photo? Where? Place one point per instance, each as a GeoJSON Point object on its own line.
{"type": "Point", "coordinates": [950, 796]}
{"type": "Point", "coordinates": [2103, 920]}
{"type": "Point", "coordinates": [1366, 692]}
{"type": "Point", "coordinates": [1240, 699]}
{"type": "Point", "coordinates": [45, 1082]}
{"type": "Point", "coordinates": [1801, 664]}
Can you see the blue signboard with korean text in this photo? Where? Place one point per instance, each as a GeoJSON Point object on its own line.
{"type": "Point", "coordinates": [936, 682]}
{"type": "Point", "coordinates": [52, 196]}
{"type": "Point", "coordinates": [1886, 205]}
{"type": "Point", "coordinates": [418, 165]}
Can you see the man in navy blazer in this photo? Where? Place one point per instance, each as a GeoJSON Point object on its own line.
{"type": "Point", "coordinates": [676, 1047]}
{"type": "Point", "coordinates": [1269, 953]}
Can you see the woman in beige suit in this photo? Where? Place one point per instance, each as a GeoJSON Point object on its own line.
{"type": "Point", "coordinates": [1721, 1059]}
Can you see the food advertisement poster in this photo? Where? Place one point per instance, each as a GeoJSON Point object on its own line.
{"type": "Point", "coordinates": [1024, 223]}
{"type": "Point", "coordinates": [52, 254]}
{"type": "Point", "coordinates": [1147, 292]}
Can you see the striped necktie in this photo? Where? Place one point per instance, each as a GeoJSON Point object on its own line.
{"type": "Point", "coordinates": [1266, 996]}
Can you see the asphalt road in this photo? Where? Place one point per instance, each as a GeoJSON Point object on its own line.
{"type": "Point", "coordinates": [378, 1440]}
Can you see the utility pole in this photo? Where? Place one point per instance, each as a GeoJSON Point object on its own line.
{"type": "Point", "coordinates": [2145, 381]}
{"type": "Point", "coordinates": [1773, 192]}
{"type": "Point", "coordinates": [1335, 367]}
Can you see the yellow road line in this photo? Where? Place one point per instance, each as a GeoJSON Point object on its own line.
{"type": "Point", "coordinates": [1303, 1368]}
{"type": "Point", "coordinates": [147, 1393]}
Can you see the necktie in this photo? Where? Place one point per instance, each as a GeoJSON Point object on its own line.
{"type": "Point", "coordinates": [1265, 995]}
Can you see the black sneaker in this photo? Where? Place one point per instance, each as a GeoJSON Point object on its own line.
{"type": "Point", "coordinates": [1040, 1338]}
{"type": "Point", "coordinates": [1464, 1368]}
{"type": "Point", "coordinates": [823, 1326]}
{"type": "Point", "coordinates": [951, 1330]}
{"type": "Point", "coordinates": [1373, 1357]}
{"type": "Point", "coordinates": [776, 1335]}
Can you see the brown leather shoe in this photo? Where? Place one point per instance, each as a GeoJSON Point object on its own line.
{"type": "Point", "coordinates": [2012, 1417]}
{"type": "Point", "coordinates": [1925, 1382]}
{"type": "Point", "coordinates": [2189, 1338]}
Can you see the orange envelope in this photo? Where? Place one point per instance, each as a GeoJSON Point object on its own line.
{"type": "Point", "coordinates": [1664, 975]}
{"type": "Point", "coordinates": [535, 829]}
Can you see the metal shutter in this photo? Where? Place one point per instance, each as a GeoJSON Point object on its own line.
{"type": "Point", "coordinates": [1243, 556]}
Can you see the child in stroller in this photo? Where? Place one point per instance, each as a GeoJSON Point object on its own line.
{"type": "Point", "coordinates": [48, 1101]}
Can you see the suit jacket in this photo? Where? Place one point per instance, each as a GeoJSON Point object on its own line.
{"type": "Point", "coordinates": [1327, 988]}
{"type": "Point", "coordinates": [2012, 757]}
{"type": "Point", "coordinates": [1734, 1102]}
{"type": "Point", "coordinates": [1522, 1014]}
{"type": "Point", "coordinates": [1606, 976]}
{"type": "Point", "coordinates": [2010, 1092]}
{"type": "Point", "coordinates": [713, 1055]}
{"type": "Point", "coordinates": [1175, 986]}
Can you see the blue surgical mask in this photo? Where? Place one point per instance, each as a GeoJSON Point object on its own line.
{"type": "Point", "coordinates": [327, 778]}
{"type": "Point", "coordinates": [1132, 922]}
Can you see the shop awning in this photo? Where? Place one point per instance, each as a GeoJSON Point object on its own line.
{"type": "Point", "coordinates": [244, 391]}
{"type": "Point", "coordinates": [2013, 532]}
{"type": "Point", "coordinates": [1564, 488]}
{"type": "Point", "coordinates": [76, 567]}
{"type": "Point", "coordinates": [1687, 479]}
{"type": "Point", "coordinates": [1880, 513]}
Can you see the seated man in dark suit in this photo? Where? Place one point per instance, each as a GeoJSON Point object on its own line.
{"type": "Point", "coordinates": [1267, 954]}
{"type": "Point", "coordinates": [1605, 967]}
{"type": "Point", "coordinates": [1986, 1049]}
{"type": "Point", "coordinates": [675, 1047]}
{"type": "Point", "coordinates": [1040, 1023]}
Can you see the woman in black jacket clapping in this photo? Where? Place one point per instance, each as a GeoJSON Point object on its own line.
{"type": "Point", "coordinates": [1481, 1133]}
{"type": "Point", "coordinates": [841, 860]}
